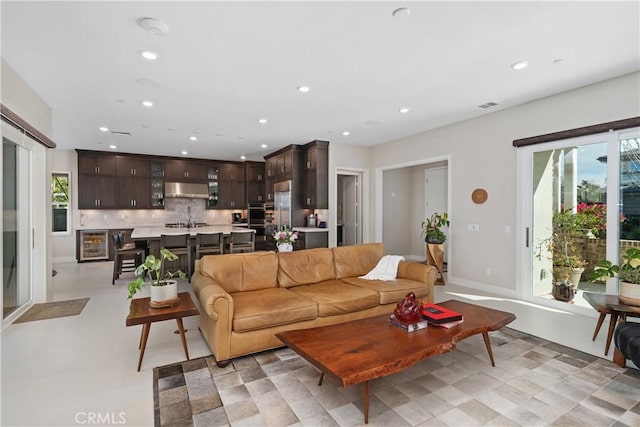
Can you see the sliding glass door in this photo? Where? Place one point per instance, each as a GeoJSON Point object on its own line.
{"type": "Point", "coordinates": [581, 205]}
{"type": "Point", "coordinates": [16, 226]}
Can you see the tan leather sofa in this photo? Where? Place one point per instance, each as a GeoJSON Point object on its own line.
{"type": "Point", "coordinates": [245, 299]}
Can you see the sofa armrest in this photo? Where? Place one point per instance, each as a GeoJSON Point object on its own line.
{"type": "Point", "coordinates": [419, 272]}
{"type": "Point", "coordinates": [216, 302]}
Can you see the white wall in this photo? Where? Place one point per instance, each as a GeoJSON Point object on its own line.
{"type": "Point", "coordinates": [64, 245]}
{"type": "Point", "coordinates": [482, 155]}
{"type": "Point", "coordinates": [23, 101]}
{"type": "Point", "coordinates": [397, 209]}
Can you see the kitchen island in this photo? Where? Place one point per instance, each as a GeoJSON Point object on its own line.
{"type": "Point", "coordinates": [151, 235]}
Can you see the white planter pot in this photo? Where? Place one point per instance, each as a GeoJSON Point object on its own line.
{"type": "Point", "coordinates": [285, 247]}
{"type": "Point", "coordinates": [629, 293]}
{"type": "Point", "coordinates": [164, 296]}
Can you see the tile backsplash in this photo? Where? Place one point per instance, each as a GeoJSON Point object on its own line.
{"type": "Point", "coordinates": [175, 210]}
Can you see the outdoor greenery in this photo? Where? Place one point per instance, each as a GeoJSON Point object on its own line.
{"type": "Point", "coordinates": [629, 271]}
{"type": "Point", "coordinates": [60, 188]}
{"type": "Point", "coordinates": [564, 244]}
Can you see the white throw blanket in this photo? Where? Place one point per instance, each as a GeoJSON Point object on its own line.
{"type": "Point", "coordinates": [387, 268]}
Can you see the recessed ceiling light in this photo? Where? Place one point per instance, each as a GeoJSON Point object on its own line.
{"type": "Point", "coordinates": [147, 104]}
{"type": "Point", "coordinates": [184, 153]}
{"type": "Point", "coordinates": [113, 147]}
{"type": "Point", "coordinates": [401, 13]}
{"type": "Point", "coordinates": [243, 157]}
{"type": "Point", "coordinates": [193, 138]}
{"type": "Point", "coordinates": [346, 133]}
{"type": "Point", "coordinates": [520, 65]}
{"type": "Point", "coordinates": [304, 89]}
{"type": "Point", "coordinates": [149, 54]}
{"type": "Point", "coordinates": [262, 121]}
{"type": "Point", "coordinates": [103, 129]}
{"type": "Point", "coordinates": [153, 26]}
{"type": "Point", "coordinates": [403, 110]}
{"type": "Point", "coordinates": [263, 145]}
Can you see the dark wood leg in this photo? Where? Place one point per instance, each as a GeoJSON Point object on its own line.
{"type": "Point", "coordinates": [182, 337]}
{"type": "Point", "coordinates": [366, 402]}
{"type": "Point", "coordinates": [145, 335]}
{"type": "Point", "coordinates": [487, 344]}
{"type": "Point", "coordinates": [222, 363]}
{"type": "Point", "coordinates": [618, 358]}
{"type": "Point", "coordinates": [141, 337]}
{"type": "Point", "coordinates": [598, 325]}
{"type": "Point", "coordinates": [612, 326]}
{"type": "Point", "coordinates": [321, 378]}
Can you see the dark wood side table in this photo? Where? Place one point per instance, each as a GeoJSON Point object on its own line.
{"type": "Point", "coordinates": [622, 311]}
{"type": "Point", "coordinates": [606, 304]}
{"type": "Point", "coordinates": [140, 313]}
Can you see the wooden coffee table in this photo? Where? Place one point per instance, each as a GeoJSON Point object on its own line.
{"type": "Point", "coordinates": [362, 350]}
{"type": "Point", "coordinates": [140, 313]}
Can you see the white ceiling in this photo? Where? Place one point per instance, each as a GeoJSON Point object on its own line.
{"type": "Point", "coordinates": [224, 65]}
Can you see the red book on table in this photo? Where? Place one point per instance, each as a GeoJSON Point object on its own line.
{"type": "Point", "coordinates": [437, 314]}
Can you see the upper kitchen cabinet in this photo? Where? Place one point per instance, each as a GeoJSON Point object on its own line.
{"type": "Point", "coordinates": [133, 166]}
{"type": "Point", "coordinates": [185, 171]}
{"type": "Point", "coordinates": [283, 165]}
{"type": "Point", "coordinates": [231, 186]}
{"type": "Point", "coordinates": [96, 163]}
{"type": "Point", "coordinates": [255, 182]}
{"type": "Point", "coordinates": [134, 192]}
{"type": "Point", "coordinates": [96, 180]}
{"type": "Point", "coordinates": [316, 175]}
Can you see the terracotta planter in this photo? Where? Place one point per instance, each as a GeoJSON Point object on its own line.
{"type": "Point", "coordinates": [629, 293]}
{"type": "Point", "coordinates": [285, 247]}
{"type": "Point", "coordinates": [164, 296]}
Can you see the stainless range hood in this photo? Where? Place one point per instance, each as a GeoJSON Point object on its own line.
{"type": "Point", "coordinates": [186, 190]}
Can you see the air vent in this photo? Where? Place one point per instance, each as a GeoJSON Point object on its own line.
{"type": "Point", "coordinates": [488, 105]}
{"type": "Point", "coordinates": [120, 132]}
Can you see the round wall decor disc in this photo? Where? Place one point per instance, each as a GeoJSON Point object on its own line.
{"type": "Point", "coordinates": [479, 195]}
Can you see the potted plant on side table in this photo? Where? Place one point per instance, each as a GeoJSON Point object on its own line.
{"type": "Point", "coordinates": [435, 237]}
{"type": "Point", "coordinates": [164, 289]}
{"type": "Point", "coordinates": [628, 272]}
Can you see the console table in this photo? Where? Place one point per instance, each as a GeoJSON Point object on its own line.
{"type": "Point", "coordinates": [608, 304]}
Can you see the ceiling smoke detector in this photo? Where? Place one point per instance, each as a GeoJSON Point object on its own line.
{"type": "Point", "coordinates": [153, 26]}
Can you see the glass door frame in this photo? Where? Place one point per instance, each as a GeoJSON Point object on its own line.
{"type": "Point", "coordinates": [524, 240]}
{"type": "Point", "coordinates": [23, 142]}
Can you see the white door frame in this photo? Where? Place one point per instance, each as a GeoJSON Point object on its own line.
{"type": "Point", "coordinates": [362, 176]}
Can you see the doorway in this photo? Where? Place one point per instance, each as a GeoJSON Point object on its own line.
{"type": "Point", "coordinates": [349, 208]}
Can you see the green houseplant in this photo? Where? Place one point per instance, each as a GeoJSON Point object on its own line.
{"type": "Point", "coordinates": [153, 267]}
{"type": "Point", "coordinates": [564, 247]}
{"type": "Point", "coordinates": [628, 272]}
{"type": "Point", "coordinates": [431, 227]}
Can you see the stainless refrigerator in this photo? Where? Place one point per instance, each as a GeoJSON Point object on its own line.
{"type": "Point", "coordinates": [282, 205]}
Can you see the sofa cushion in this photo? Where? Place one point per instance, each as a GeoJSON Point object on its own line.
{"type": "Point", "coordinates": [391, 291]}
{"type": "Point", "coordinates": [265, 308]}
{"type": "Point", "coordinates": [305, 267]}
{"type": "Point", "coordinates": [356, 260]}
{"type": "Point", "coordinates": [337, 297]}
{"type": "Point", "coordinates": [242, 272]}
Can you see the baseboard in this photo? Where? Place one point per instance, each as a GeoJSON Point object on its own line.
{"type": "Point", "coordinates": [496, 290]}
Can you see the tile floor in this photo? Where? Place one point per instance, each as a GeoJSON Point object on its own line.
{"type": "Point", "coordinates": [82, 370]}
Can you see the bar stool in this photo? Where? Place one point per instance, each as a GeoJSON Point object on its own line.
{"type": "Point", "coordinates": [179, 244]}
{"type": "Point", "coordinates": [242, 241]}
{"type": "Point", "coordinates": [127, 256]}
{"type": "Point", "coordinates": [209, 243]}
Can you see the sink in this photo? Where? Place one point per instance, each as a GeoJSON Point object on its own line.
{"type": "Point", "coordinates": [185, 225]}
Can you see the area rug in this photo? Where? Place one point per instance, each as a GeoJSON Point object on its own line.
{"type": "Point", "coordinates": [52, 310]}
{"type": "Point", "coordinates": [534, 383]}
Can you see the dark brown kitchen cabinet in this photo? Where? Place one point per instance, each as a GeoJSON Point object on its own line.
{"type": "Point", "coordinates": [255, 182]}
{"type": "Point", "coordinates": [316, 176]}
{"type": "Point", "coordinates": [185, 171]}
{"type": "Point", "coordinates": [134, 192]}
{"type": "Point", "coordinates": [96, 192]}
{"type": "Point", "coordinates": [270, 166]}
{"type": "Point", "coordinates": [132, 166]}
{"type": "Point", "coordinates": [231, 186]}
{"type": "Point", "coordinates": [316, 239]}
{"type": "Point", "coordinates": [96, 163]}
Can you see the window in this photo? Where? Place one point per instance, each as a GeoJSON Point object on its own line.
{"type": "Point", "coordinates": [60, 202]}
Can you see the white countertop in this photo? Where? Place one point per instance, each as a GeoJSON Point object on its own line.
{"type": "Point", "coordinates": [155, 231]}
{"type": "Point", "coordinates": [311, 229]}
